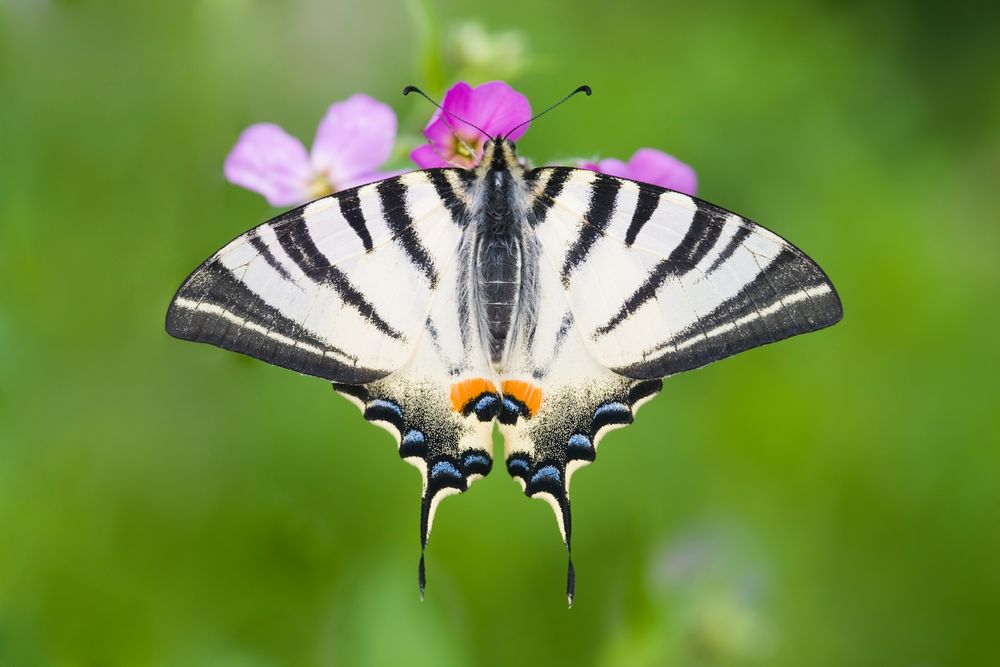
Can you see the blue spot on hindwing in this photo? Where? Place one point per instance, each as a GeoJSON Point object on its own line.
{"type": "Point", "coordinates": [380, 403]}
{"type": "Point", "coordinates": [510, 412]}
{"type": "Point", "coordinates": [381, 410]}
{"type": "Point", "coordinates": [477, 463]}
{"type": "Point", "coordinates": [580, 447]}
{"type": "Point", "coordinates": [445, 468]}
{"type": "Point", "coordinates": [611, 413]}
{"type": "Point", "coordinates": [486, 407]}
{"type": "Point", "coordinates": [547, 473]}
{"type": "Point", "coordinates": [518, 467]}
{"type": "Point", "coordinates": [413, 437]}
{"type": "Point", "coordinates": [413, 444]}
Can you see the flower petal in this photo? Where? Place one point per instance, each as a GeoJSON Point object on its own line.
{"type": "Point", "coordinates": [426, 157]}
{"type": "Point", "coordinates": [496, 108]}
{"type": "Point", "coordinates": [614, 167]}
{"type": "Point", "coordinates": [268, 160]}
{"type": "Point", "coordinates": [456, 102]}
{"type": "Point", "coordinates": [653, 166]}
{"type": "Point", "coordinates": [370, 177]}
{"type": "Point", "coordinates": [354, 138]}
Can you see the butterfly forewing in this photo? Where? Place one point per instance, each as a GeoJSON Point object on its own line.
{"type": "Point", "coordinates": [660, 282]}
{"type": "Point", "coordinates": [339, 288]}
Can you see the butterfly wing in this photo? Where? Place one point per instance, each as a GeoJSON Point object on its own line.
{"type": "Point", "coordinates": [636, 283]}
{"type": "Point", "coordinates": [319, 289]}
{"type": "Point", "coordinates": [661, 282]}
{"type": "Point", "coordinates": [362, 288]}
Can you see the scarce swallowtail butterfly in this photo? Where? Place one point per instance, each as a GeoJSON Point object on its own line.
{"type": "Point", "coordinates": [551, 301]}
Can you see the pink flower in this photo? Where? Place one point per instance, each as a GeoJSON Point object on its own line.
{"type": "Point", "coordinates": [354, 138]}
{"type": "Point", "coordinates": [650, 166]}
{"type": "Point", "coordinates": [495, 107]}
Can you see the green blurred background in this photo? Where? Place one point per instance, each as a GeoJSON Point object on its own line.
{"type": "Point", "coordinates": [830, 500]}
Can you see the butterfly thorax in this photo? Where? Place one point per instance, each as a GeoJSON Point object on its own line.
{"type": "Point", "coordinates": [501, 253]}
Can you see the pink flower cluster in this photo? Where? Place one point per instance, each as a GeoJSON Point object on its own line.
{"type": "Point", "coordinates": [356, 137]}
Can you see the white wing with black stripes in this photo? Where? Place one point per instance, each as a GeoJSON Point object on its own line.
{"type": "Point", "coordinates": [320, 289]}
{"type": "Point", "coordinates": [363, 288]}
{"type": "Point", "coordinates": [636, 283]}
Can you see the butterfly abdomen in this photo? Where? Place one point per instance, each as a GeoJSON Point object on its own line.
{"type": "Point", "coordinates": [498, 276]}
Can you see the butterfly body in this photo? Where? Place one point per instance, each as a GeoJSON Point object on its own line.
{"type": "Point", "coordinates": [550, 302]}
{"type": "Point", "coordinates": [502, 252]}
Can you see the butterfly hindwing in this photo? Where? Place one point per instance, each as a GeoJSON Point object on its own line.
{"type": "Point", "coordinates": [318, 289]}
{"type": "Point", "coordinates": [559, 403]}
{"type": "Point", "coordinates": [440, 414]}
{"type": "Point", "coordinates": [660, 282]}
{"type": "Point", "coordinates": [439, 407]}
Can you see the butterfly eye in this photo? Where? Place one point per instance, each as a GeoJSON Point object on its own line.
{"type": "Point", "coordinates": [513, 146]}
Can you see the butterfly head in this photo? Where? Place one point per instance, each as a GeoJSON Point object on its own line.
{"type": "Point", "coordinates": [499, 154]}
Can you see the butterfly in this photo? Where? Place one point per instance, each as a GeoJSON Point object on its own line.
{"type": "Point", "coordinates": [550, 302]}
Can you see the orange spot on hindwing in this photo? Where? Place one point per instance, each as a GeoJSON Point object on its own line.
{"type": "Point", "coordinates": [525, 393]}
{"type": "Point", "coordinates": [462, 393]}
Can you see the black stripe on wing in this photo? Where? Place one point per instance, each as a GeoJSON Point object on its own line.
{"type": "Point", "coordinates": [603, 194]}
{"type": "Point", "coordinates": [645, 206]}
{"type": "Point", "coordinates": [213, 306]}
{"type": "Point", "coordinates": [261, 247]}
{"type": "Point", "coordinates": [544, 200]}
{"type": "Point", "coordinates": [392, 194]}
{"type": "Point", "coordinates": [350, 208]}
{"type": "Point", "coordinates": [298, 244]}
{"type": "Point", "coordinates": [790, 296]}
{"type": "Point", "coordinates": [699, 240]}
{"type": "Point", "coordinates": [453, 199]}
{"type": "Point", "coordinates": [732, 245]}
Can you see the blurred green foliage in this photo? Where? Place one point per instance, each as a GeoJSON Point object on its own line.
{"type": "Point", "coordinates": [830, 500]}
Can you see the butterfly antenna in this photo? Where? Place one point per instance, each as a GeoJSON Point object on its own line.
{"type": "Point", "coordinates": [581, 89]}
{"type": "Point", "coordinates": [414, 89]}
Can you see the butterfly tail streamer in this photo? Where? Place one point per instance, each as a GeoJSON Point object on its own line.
{"type": "Point", "coordinates": [425, 510]}
{"type": "Point", "coordinates": [421, 575]}
{"type": "Point", "coordinates": [570, 581]}
{"type": "Point", "coordinates": [570, 570]}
